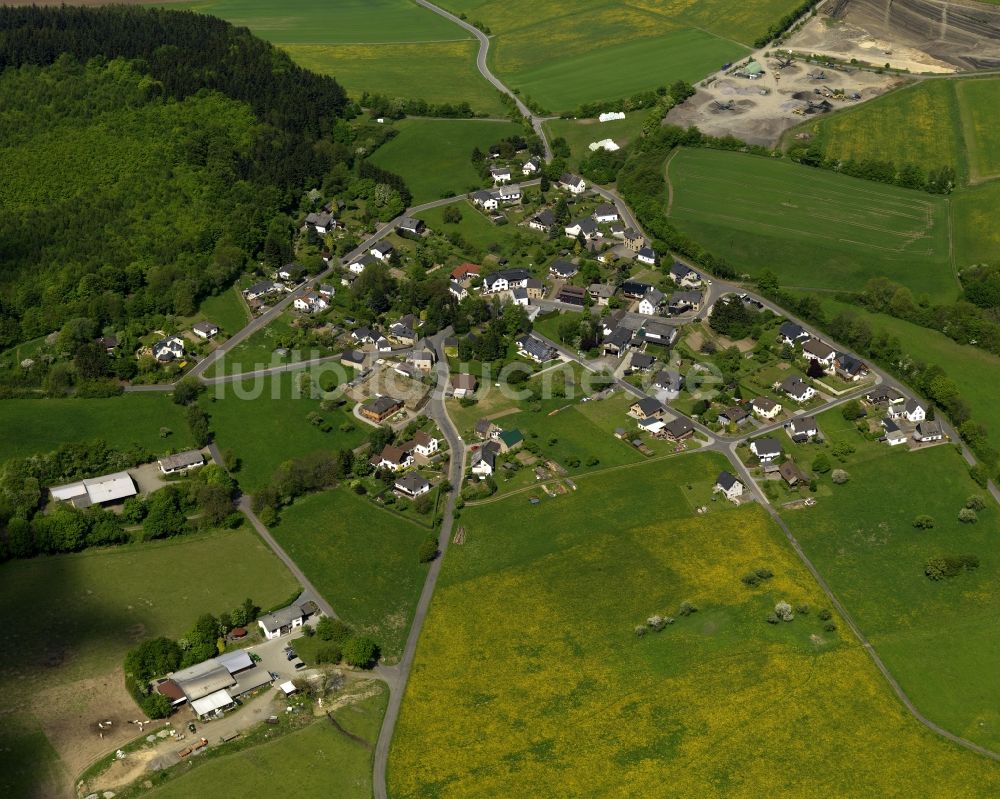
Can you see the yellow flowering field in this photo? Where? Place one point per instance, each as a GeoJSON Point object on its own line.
{"type": "Point", "coordinates": [530, 680]}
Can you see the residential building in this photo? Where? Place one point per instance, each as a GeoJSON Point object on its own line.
{"type": "Point", "coordinates": [484, 460]}
{"type": "Point", "coordinates": [562, 270]}
{"type": "Point", "coordinates": [766, 449]}
{"type": "Point", "coordinates": [792, 474]}
{"type": "Point", "coordinates": [679, 429]}
{"type": "Point", "coordinates": [205, 329]}
{"type": "Point", "coordinates": [321, 222]}
{"type": "Point", "coordinates": [535, 288]}
{"type": "Point", "coordinates": [684, 276]}
{"type": "Point", "coordinates": [422, 358]}
{"type": "Point", "coordinates": [530, 347]}
{"type": "Point", "coordinates": [359, 265]}
{"type": "Point", "coordinates": [634, 240]}
{"type": "Point", "coordinates": [181, 462]}
{"type": "Point", "coordinates": [169, 349]}
{"type": "Point", "coordinates": [542, 221]}
{"type": "Point", "coordinates": [457, 290]}
{"type": "Point", "coordinates": [292, 272]}
{"type": "Point", "coordinates": [381, 408]}
{"type": "Point", "coordinates": [646, 255]}
{"type": "Point", "coordinates": [486, 429]}
{"type": "Point", "coordinates": [509, 440]}
{"type": "Point", "coordinates": [635, 289]}
{"type": "Point", "coordinates": [465, 271]}
{"type": "Point", "coordinates": [914, 411]}
{"type": "Point", "coordinates": [424, 444]}
{"type": "Point", "coordinates": [928, 431]}
{"type": "Point", "coordinates": [283, 621]}
{"type": "Point", "coordinates": [618, 342]}
{"type": "Point", "coordinates": [265, 287]}
{"type": "Point", "coordinates": [500, 174]}
{"type": "Point", "coordinates": [728, 486]}
{"type": "Point", "coordinates": [574, 184]}
{"type": "Point", "coordinates": [819, 351]}
{"type": "Point", "coordinates": [646, 408]}
{"type": "Point", "coordinates": [108, 488]}
{"type": "Point", "coordinates": [606, 212]}
{"type": "Point", "coordinates": [310, 302]}
{"type": "Point", "coordinates": [353, 359]}
{"type": "Point", "coordinates": [519, 296]}
{"type": "Point", "coordinates": [802, 429]}
{"type": "Point", "coordinates": [684, 301]}
{"type": "Point", "coordinates": [572, 295]}
{"type": "Point", "coordinates": [408, 226]}
{"type": "Point", "coordinates": [893, 435]}
{"type": "Point", "coordinates": [791, 334]}
{"type": "Point", "coordinates": [669, 381]}
{"type": "Point", "coordinates": [531, 166]}
{"type": "Point", "coordinates": [796, 388]}
{"type": "Point", "coordinates": [586, 227]}
{"type": "Point", "coordinates": [650, 304]}
{"type": "Point", "coordinates": [392, 458]}
{"type": "Point", "coordinates": [383, 250]}
{"type": "Point", "coordinates": [657, 332]}
{"type": "Point", "coordinates": [847, 367]}
{"type": "Point", "coordinates": [734, 415]}
{"type": "Point", "coordinates": [412, 485]}
{"type": "Point", "coordinates": [641, 361]}
{"type": "Point", "coordinates": [600, 293]}
{"type": "Point", "coordinates": [765, 408]}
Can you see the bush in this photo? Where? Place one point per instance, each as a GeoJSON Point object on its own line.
{"type": "Point", "coordinates": [751, 580]}
{"type": "Point", "coordinates": [923, 522]}
{"type": "Point", "coordinates": [772, 619]}
{"type": "Point", "coordinates": [825, 615]}
{"type": "Point", "coordinates": [333, 630]}
{"type": "Point", "coordinates": [428, 550]}
{"type": "Point", "coordinates": [802, 610]}
{"type": "Point", "coordinates": [687, 609]}
{"type": "Point", "coordinates": [829, 626]}
{"type": "Point", "coordinates": [640, 630]}
{"type": "Point", "coordinates": [308, 631]}
{"type": "Point", "coordinates": [784, 611]}
{"type": "Point", "coordinates": [764, 573]}
{"type": "Point", "coordinates": [328, 653]}
{"type": "Point", "coordinates": [821, 464]}
{"type": "Point", "coordinates": [944, 566]}
{"type": "Point", "coordinates": [968, 516]}
{"type": "Point", "coordinates": [975, 502]}
{"type": "Point", "coordinates": [361, 652]}
{"type": "Point", "coordinates": [839, 476]}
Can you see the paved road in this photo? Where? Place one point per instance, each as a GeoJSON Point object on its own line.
{"type": "Point", "coordinates": [437, 411]}
{"type": "Point", "coordinates": [484, 70]}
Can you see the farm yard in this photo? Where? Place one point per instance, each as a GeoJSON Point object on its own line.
{"type": "Point", "coordinates": [391, 47]}
{"type": "Point", "coordinates": [433, 155]}
{"type": "Point", "coordinates": [74, 616]}
{"type": "Point", "coordinates": [565, 698]}
{"type": "Point", "coordinates": [938, 638]}
{"type": "Point", "coordinates": [119, 421]}
{"type": "Point", "coordinates": [304, 763]}
{"type": "Point", "coordinates": [362, 559]}
{"type": "Point", "coordinates": [814, 229]}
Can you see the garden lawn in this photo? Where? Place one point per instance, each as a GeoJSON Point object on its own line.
{"type": "Point", "coordinates": [258, 351]}
{"type": "Point", "coordinates": [90, 607]}
{"type": "Point", "coordinates": [361, 558]}
{"type": "Point", "coordinates": [814, 229]}
{"type": "Point", "coordinates": [940, 639]}
{"type": "Point", "coordinates": [313, 763]}
{"type": "Point", "coordinates": [36, 426]}
{"type": "Point", "coordinates": [433, 156]}
{"type": "Point", "coordinates": [479, 233]}
{"type": "Point", "coordinates": [977, 226]}
{"type": "Point", "coordinates": [264, 421]}
{"type": "Point", "coordinates": [564, 699]}
{"type": "Point", "coordinates": [227, 310]}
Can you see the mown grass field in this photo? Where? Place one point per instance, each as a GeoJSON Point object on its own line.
{"type": "Point", "coordinates": [91, 606]}
{"type": "Point", "coordinates": [226, 309]}
{"type": "Point", "coordinates": [264, 422]}
{"type": "Point", "coordinates": [814, 229]}
{"type": "Point", "coordinates": [610, 74]}
{"type": "Point", "coordinates": [41, 425]}
{"type": "Point", "coordinates": [391, 47]}
{"type": "Point", "coordinates": [939, 638]}
{"type": "Point", "coordinates": [561, 698]}
{"type": "Point", "coordinates": [434, 155]}
{"type": "Point", "coordinates": [313, 763]}
{"type": "Point", "coordinates": [971, 368]}
{"type": "Point", "coordinates": [361, 558]}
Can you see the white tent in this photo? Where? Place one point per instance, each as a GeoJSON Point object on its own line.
{"type": "Point", "coordinates": [604, 144]}
{"type": "Point", "coordinates": [608, 116]}
{"type": "Point", "coordinates": [288, 688]}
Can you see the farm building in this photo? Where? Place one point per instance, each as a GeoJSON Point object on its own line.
{"type": "Point", "coordinates": [181, 461]}
{"type": "Point", "coordinates": [96, 490]}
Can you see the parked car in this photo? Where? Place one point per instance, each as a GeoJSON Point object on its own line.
{"type": "Point", "coordinates": [290, 654]}
{"type": "Point", "coordinates": [191, 727]}
{"type": "Point", "coordinates": [300, 665]}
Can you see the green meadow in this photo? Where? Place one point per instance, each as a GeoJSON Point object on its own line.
{"type": "Point", "coordinates": [814, 229]}
{"type": "Point", "coordinates": [940, 639]}
{"type": "Point", "coordinates": [361, 558]}
{"type": "Point", "coordinates": [434, 155]}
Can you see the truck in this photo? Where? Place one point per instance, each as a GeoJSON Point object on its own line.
{"type": "Point", "coordinates": [187, 750]}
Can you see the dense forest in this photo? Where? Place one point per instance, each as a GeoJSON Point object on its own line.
{"type": "Point", "coordinates": [147, 156]}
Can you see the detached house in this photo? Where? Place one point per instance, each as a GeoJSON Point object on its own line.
{"type": "Point", "coordinates": [791, 334]}
{"type": "Point", "coordinates": [913, 411]}
{"type": "Point", "coordinates": [728, 486]}
{"type": "Point", "coordinates": [310, 303]}
{"type": "Point", "coordinates": [928, 431]}
{"type": "Point", "coordinates": [847, 367]}
{"type": "Point", "coordinates": [893, 435]}
{"type": "Point", "coordinates": [646, 255]}
{"type": "Point", "coordinates": [647, 408]}
{"type": "Point", "coordinates": [413, 228]}
{"type": "Point", "coordinates": [463, 385]}
{"type": "Point", "coordinates": [669, 381]}
{"type": "Point", "coordinates": [684, 301]}
{"type": "Point", "coordinates": [500, 174]}
{"type": "Point", "coordinates": [797, 389]}
{"type": "Point", "coordinates": [205, 330]}
{"type": "Point", "coordinates": [530, 347]}
{"type": "Point", "coordinates": [169, 349]}
{"type": "Point", "coordinates": [618, 341]}
{"type": "Point", "coordinates": [600, 293]}
{"type": "Point", "coordinates": [562, 270]}
{"type": "Point", "coordinates": [531, 166]}
{"type": "Point", "coordinates": [381, 408]}
{"type": "Point", "coordinates": [424, 444]}
{"type": "Point", "coordinates": [542, 221]}
{"type": "Point", "coordinates": [765, 408]}
{"type": "Point", "coordinates": [802, 428]}
{"type": "Point", "coordinates": [634, 240]}
{"type": "Point", "coordinates": [766, 449]}
{"type": "Point", "coordinates": [658, 332]}
{"type": "Point", "coordinates": [484, 460]}
{"type": "Point", "coordinates": [411, 485]}
{"type": "Point", "coordinates": [818, 351]}
{"type": "Point", "coordinates": [487, 200]}
{"type": "Point", "coordinates": [321, 222]}
{"type": "Point", "coordinates": [258, 290]}
{"type": "Point", "coordinates": [586, 227]}
{"type": "Point", "coordinates": [392, 458]}
{"type": "Point", "coordinates": [358, 265]}
{"type": "Point", "coordinates": [383, 250]}
{"type": "Point", "coordinates": [683, 275]}
{"type": "Point", "coordinates": [293, 272]}
{"type": "Point", "coordinates": [735, 415]}
{"type": "Point", "coordinates": [574, 184]}
{"type": "Point", "coordinates": [606, 212]}
{"type": "Point", "coordinates": [634, 289]}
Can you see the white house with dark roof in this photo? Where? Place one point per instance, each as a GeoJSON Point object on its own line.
{"type": "Point", "coordinates": [531, 166]}
{"type": "Point", "coordinates": [538, 351]}
{"type": "Point", "coordinates": [181, 462]}
{"type": "Point", "coordinates": [914, 411]}
{"type": "Point", "coordinates": [205, 329]}
{"type": "Point", "coordinates": [893, 435]}
{"type": "Point", "coordinates": [728, 486]}
{"type": "Point", "coordinates": [606, 212]}
{"type": "Point", "coordinates": [684, 276]}
{"type": "Point", "coordinates": [796, 388]}
{"type": "Point", "coordinates": [585, 226]}
{"type": "Point", "coordinates": [928, 431]}
{"type": "Point", "coordinates": [169, 349]}
{"type": "Point", "coordinates": [562, 270]}
{"type": "Point", "coordinates": [819, 351]}
{"type": "Point", "coordinates": [646, 408]}
{"type": "Point", "coordinates": [382, 250]}
{"type": "Point", "coordinates": [646, 255]}
{"type": "Point", "coordinates": [766, 449]}
{"type": "Point", "coordinates": [500, 174]}
{"type": "Point", "coordinates": [791, 334]}
{"type": "Point", "coordinates": [802, 428]}
{"type": "Point", "coordinates": [574, 184]}
{"type": "Point", "coordinates": [281, 622]}
{"type": "Point", "coordinates": [765, 408]}
{"type": "Point", "coordinates": [412, 485]}
{"type": "Point", "coordinates": [650, 304]}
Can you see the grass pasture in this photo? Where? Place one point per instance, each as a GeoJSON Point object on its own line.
{"type": "Point", "coordinates": [361, 558]}
{"type": "Point", "coordinates": [433, 155]}
{"type": "Point", "coordinates": [391, 47]}
{"type": "Point", "coordinates": [977, 225]}
{"type": "Point", "coordinates": [41, 425]}
{"type": "Point", "coordinates": [264, 422]}
{"type": "Point", "coordinates": [938, 638]}
{"type": "Point", "coordinates": [579, 133]}
{"type": "Point", "coordinates": [979, 101]}
{"type": "Point", "coordinates": [563, 699]}
{"type": "Point", "coordinates": [814, 229]}
{"type": "Point", "coordinates": [308, 763]}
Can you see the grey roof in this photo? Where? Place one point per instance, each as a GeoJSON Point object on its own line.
{"type": "Point", "coordinates": [635, 288]}
{"type": "Point", "coordinates": [619, 337]}
{"type": "Point", "coordinates": [569, 179]}
{"type": "Point", "coordinates": [668, 379]}
{"type": "Point", "coordinates": [382, 404]}
{"type": "Point", "coordinates": [650, 405]}
{"type": "Point", "coordinates": [679, 427]}
{"type": "Point", "coordinates": [764, 403]}
{"type": "Point", "coordinates": [734, 414]}
{"type": "Point", "coordinates": [605, 209]}
{"type": "Point", "coordinates": [631, 234]}
{"type": "Point", "coordinates": [586, 225]}
{"type": "Point", "coordinates": [818, 348]}
{"type": "Point", "coordinates": [912, 405]}
{"type": "Point", "coordinates": [353, 356]}
{"type": "Point", "coordinates": [792, 331]}
{"type": "Point", "coordinates": [681, 271]}
{"type": "Point", "coordinates": [537, 349]}
{"type": "Point", "coordinates": [654, 297]}
{"type": "Point", "coordinates": [487, 453]}
{"type": "Point", "coordinates": [889, 425]}
{"type": "Point", "coordinates": [411, 483]}
{"type": "Point", "coordinates": [642, 360]}
{"type": "Point", "coordinates": [691, 297]}
{"type": "Point", "coordinates": [545, 217]}
{"type": "Point", "coordinates": [848, 363]}
{"type": "Point", "coordinates": [280, 618]}
{"type": "Point", "coordinates": [205, 327]}
{"type": "Point", "coordinates": [660, 329]}
{"type": "Point", "coordinates": [520, 293]}
{"type": "Point", "coordinates": [929, 428]}
{"type": "Point", "coordinates": [601, 290]}
{"type": "Point", "coordinates": [725, 480]}
{"type": "Point", "coordinates": [803, 424]}
{"type": "Point", "coordinates": [767, 446]}
{"type": "Point", "coordinates": [794, 385]}
{"type": "Point", "coordinates": [182, 460]}
{"type": "Point", "coordinates": [203, 679]}
{"type": "Point", "coordinates": [563, 268]}
{"type": "Point", "coordinates": [264, 287]}
{"type": "Point", "coordinates": [647, 252]}
{"type": "Point", "coordinates": [482, 195]}
{"type": "Point", "coordinates": [410, 223]}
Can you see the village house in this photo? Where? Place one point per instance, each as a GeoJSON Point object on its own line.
{"type": "Point", "coordinates": [392, 458]}
{"type": "Point", "coordinates": [383, 250]}
{"type": "Point", "coordinates": [634, 240]}
{"type": "Point", "coordinates": [647, 408]}
{"type": "Point", "coordinates": [310, 303]}
{"type": "Point", "coordinates": [262, 289]}
{"type": "Point", "coordinates": [670, 382]}
{"type": "Point", "coordinates": [791, 334]}
{"type": "Point", "coordinates": [573, 295]}
{"type": "Point", "coordinates": [487, 200]}
{"type": "Point", "coordinates": [422, 358]}
{"type": "Point", "coordinates": [796, 388]}
{"type": "Point", "coordinates": [928, 431]}
{"type": "Point", "coordinates": [410, 227]}
{"type": "Point", "coordinates": [585, 227]}
{"type": "Point", "coordinates": [650, 304]}
{"type": "Point", "coordinates": [792, 474]}
{"type": "Point", "coordinates": [882, 395]}
{"type": "Point", "coordinates": [505, 280]}
{"type": "Point", "coordinates": [847, 367]}
{"type": "Point", "coordinates": [401, 333]}
{"type": "Point", "coordinates": [574, 184]}
{"type": "Point", "coordinates": [684, 301]}
{"type": "Point", "coordinates": [765, 408]}
{"type": "Point", "coordinates": [292, 272]}
{"type": "Point", "coordinates": [641, 362]}
{"type": "Point", "coordinates": [321, 222]}
{"type": "Point", "coordinates": [802, 428]}
{"type": "Point", "coordinates": [486, 429]}
{"type": "Point", "coordinates": [484, 460]}
{"type": "Point", "coordinates": [424, 444]}
{"type": "Point", "coordinates": [618, 342]}
{"type": "Point", "coordinates": [380, 408]}
{"type": "Point", "coordinates": [360, 264]}
{"type": "Point", "coordinates": [728, 486]}
{"type": "Point", "coordinates": [734, 415]}
{"type": "Point", "coordinates": [679, 429]}
{"type": "Point", "coordinates": [181, 462]}
{"type": "Point", "coordinates": [635, 289]}
{"type": "Point", "coordinates": [542, 221]}
{"type": "Point", "coordinates": [353, 359]}
{"type": "Point", "coordinates": [684, 276]}
{"type": "Point", "coordinates": [326, 290]}
{"type": "Point", "coordinates": [535, 288]}
{"type": "Point", "coordinates": [519, 296]}
{"type": "Point", "coordinates": [605, 212]}
{"type": "Point", "coordinates": [530, 347]}
{"type": "Point", "coordinates": [657, 332]}
{"type": "Point", "coordinates": [646, 255]}
{"type": "Point", "coordinates": [500, 174]}
{"type": "Point", "coordinates": [465, 271]}
{"type": "Point", "coordinates": [168, 349]}
{"type": "Point", "coordinates": [205, 329]}
{"type": "Point", "coordinates": [508, 195]}
{"type": "Point", "coordinates": [562, 270]}
{"type": "Point", "coordinates": [457, 290]}
{"type": "Point", "coordinates": [531, 166]}
{"type": "Point", "coordinates": [600, 293]}
{"type": "Point", "coordinates": [463, 385]}
{"type": "Point", "coordinates": [893, 435]}
{"type": "Point", "coordinates": [819, 351]}
{"type": "Point", "coordinates": [766, 449]}
{"type": "Point", "coordinates": [913, 411]}
{"type": "Point", "coordinates": [281, 622]}
{"type": "Point", "coordinates": [411, 485]}
{"type": "Point", "coordinates": [106, 489]}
